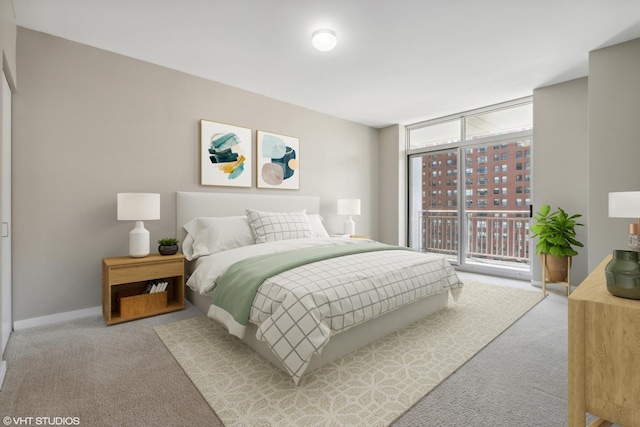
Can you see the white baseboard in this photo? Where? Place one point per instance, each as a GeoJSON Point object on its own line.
{"type": "Point", "coordinates": [55, 318]}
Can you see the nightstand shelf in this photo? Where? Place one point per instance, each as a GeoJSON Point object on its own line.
{"type": "Point", "coordinates": [127, 277]}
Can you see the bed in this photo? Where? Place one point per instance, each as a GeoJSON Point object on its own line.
{"type": "Point", "coordinates": [343, 293]}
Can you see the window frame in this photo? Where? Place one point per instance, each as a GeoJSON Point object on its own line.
{"type": "Point", "coordinates": [464, 146]}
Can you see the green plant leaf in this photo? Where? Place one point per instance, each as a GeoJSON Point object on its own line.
{"type": "Point", "coordinates": [555, 232]}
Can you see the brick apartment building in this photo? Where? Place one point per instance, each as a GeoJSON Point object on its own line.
{"type": "Point", "coordinates": [497, 178]}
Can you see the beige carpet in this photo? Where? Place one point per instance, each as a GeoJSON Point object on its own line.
{"type": "Point", "coordinates": [370, 387]}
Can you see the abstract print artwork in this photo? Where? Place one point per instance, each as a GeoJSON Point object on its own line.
{"type": "Point", "coordinates": [225, 154]}
{"type": "Point", "coordinates": [278, 161]}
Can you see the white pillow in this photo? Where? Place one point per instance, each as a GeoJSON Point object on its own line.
{"type": "Point", "coordinates": [316, 225]}
{"type": "Point", "coordinates": [216, 234]}
{"type": "Point", "coordinates": [187, 247]}
{"type": "Point", "coordinates": [274, 226]}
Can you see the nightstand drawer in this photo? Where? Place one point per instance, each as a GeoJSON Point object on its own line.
{"type": "Point", "coordinates": [142, 272]}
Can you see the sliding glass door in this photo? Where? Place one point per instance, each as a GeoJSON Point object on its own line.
{"type": "Point", "coordinates": [470, 195]}
{"type": "Point", "coordinates": [433, 203]}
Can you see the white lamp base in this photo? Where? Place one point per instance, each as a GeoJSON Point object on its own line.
{"type": "Point", "coordinates": [139, 241]}
{"type": "Point", "coordinates": [349, 227]}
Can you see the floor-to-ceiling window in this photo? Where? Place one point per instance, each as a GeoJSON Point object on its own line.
{"type": "Point", "coordinates": [470, 188]}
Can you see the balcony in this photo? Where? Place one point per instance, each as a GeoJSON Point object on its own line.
{"type": "Point", "coordinates": [498, 238]}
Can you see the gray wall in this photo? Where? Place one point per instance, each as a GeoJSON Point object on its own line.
{"type": "Point", "coordinates": [393, 186]}
{"type": "Point", "coordinates": [614, 141]}
{"type": "Point", "coordinates": [586, 135]}
{"type": "Point", "coordinates": [560, 156]}
{"type": "Point", "coordinates": [89, 124]}
{"type": "Point", "coordinates": [8, 31]}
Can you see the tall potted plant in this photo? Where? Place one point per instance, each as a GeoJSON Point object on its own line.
{"type": "Point", "coordinates": [556, 240]}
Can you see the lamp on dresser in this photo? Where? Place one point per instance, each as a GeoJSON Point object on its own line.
{"type": "Point", "coordinates": [626, 204]}
{"type": "Point", "coordinates": [349, 207]}
{"type": "Point", "coordinates": [138, 207]}
{"type": "Point", "coordinates": [622, 273]}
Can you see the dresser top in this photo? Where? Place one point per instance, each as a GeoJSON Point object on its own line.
{"type": "Point", "coordinates": [594, 288]}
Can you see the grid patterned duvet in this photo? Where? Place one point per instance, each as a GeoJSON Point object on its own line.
{"type": "Point", "coordinates": [300, 309]}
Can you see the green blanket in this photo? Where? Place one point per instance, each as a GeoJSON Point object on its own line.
{"type": "Point", "coordinates": [237, 287]}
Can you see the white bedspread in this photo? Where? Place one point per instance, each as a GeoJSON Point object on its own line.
{"type": "Point", "coordinates": [298, 311]}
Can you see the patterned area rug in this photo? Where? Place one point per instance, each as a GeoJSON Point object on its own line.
{"type": "Point", "coordinates": [371, 386]}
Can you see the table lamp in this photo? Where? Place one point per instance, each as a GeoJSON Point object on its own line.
{"type": "Point", "coordinates": [138, 207]}
{"type": "Point", "coordinates": [626, 204]}
{"type": "Point", "coordinates": [349, 207]}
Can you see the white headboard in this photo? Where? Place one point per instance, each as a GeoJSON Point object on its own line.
{"type": "Point", "coordinates": [194, 204]}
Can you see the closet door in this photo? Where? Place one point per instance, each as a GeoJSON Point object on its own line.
{"type": "Point", "coordinates": [5, 211]}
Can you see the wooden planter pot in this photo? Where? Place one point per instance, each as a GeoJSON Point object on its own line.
{"type": "Point", "coordinates": [556, 270]}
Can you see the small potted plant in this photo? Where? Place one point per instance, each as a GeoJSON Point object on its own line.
{"type": "Point", "coordinates": [168, 246]}
{"type": "Point", "coordinates": [556, 238]}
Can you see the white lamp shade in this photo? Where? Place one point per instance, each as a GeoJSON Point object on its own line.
{"type": "Point", "coordinates": [348, 206]}
{"type": "Point", "coordinates": [624, 204]}
{"type": "Point", "coordinates": [138, 206]}
{"type": "Point", "coordinates": [324, 40]}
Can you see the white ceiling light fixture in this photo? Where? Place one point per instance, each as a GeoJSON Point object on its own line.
{"type": "Point", "coordinates": [324, 40]}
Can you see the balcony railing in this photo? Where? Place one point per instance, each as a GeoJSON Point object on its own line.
{"type": "Point", "coordinates": [497, 235]}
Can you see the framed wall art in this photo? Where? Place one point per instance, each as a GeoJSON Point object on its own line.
{"type": "Point", "coordinates": [225, 155]}
{"type": "Point", "coordinates": [278, 160]}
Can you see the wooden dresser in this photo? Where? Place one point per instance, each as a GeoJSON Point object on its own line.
{"type": "Point", "coordinates": [604, 354]}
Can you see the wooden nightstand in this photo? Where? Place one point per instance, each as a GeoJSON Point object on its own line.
{"type": "Point", "coordinates": [125, 278]}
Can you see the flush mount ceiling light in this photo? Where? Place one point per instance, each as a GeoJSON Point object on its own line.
{"type": "Point", "coordinates": [324, 40]}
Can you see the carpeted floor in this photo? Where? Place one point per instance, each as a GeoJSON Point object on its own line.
{"type": "Point", "coordinates": [120, 375]}
{"type": "Point", "coordinates": [124, 375]}
{"type": "Point", "coordinates": [370, 387]}
{"type": "Point", "coordinates": [520, 379]}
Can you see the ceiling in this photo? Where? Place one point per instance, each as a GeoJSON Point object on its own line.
{"type": "Point", "coordinates": [397, 61]}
